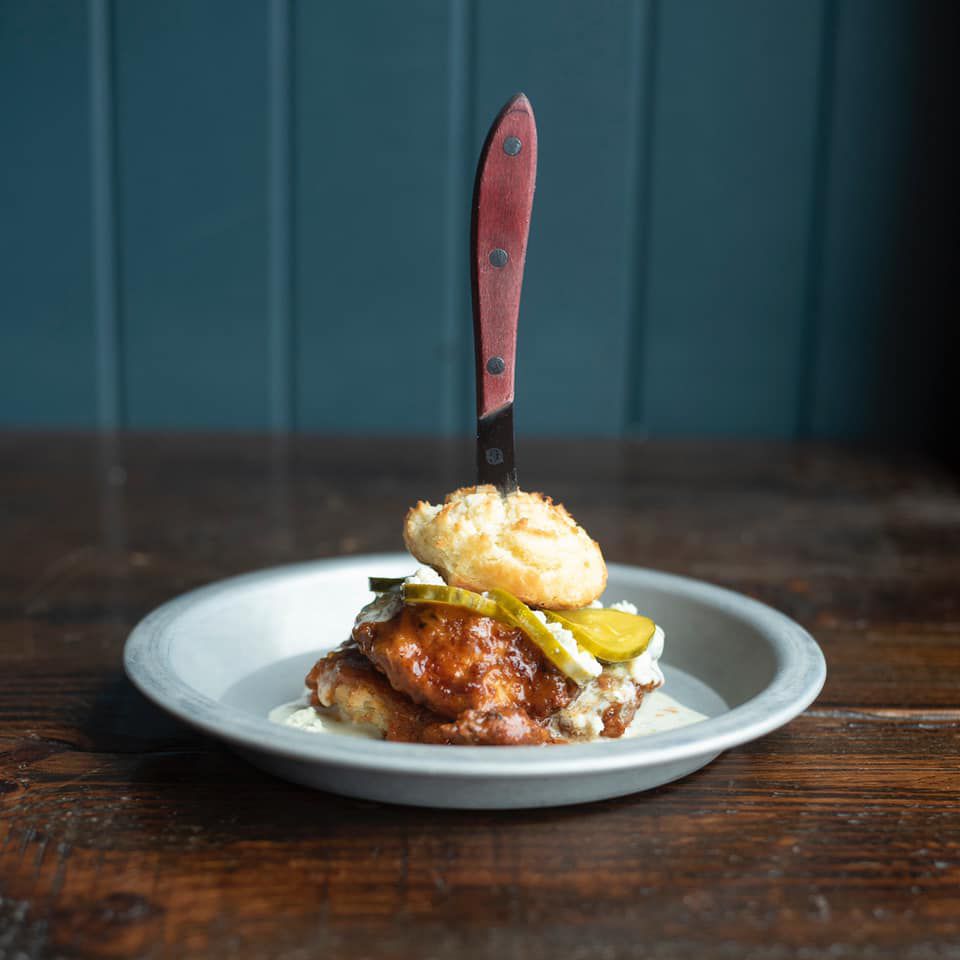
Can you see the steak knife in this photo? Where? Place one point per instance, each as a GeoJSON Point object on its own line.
{"type": "Point", "coordinates": [500, 224]}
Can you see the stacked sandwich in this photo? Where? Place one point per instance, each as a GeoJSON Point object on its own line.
{"type": "Point", "coordinates": [499, 638]}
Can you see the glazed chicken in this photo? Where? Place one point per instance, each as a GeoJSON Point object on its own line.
{"type": "Point", "coordinates": [451, 661]}
{"type": "Point", "coordinates": [439, 674]}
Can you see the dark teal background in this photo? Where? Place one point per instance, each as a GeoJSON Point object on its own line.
{"type": "Point", "coordinates": [253, 214]}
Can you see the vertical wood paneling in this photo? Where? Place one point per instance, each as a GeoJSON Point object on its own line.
{"type": "Point", "coordinates": [191, 127]}
{"type": "Point", "coordinates": [47, 352]}
{"type": "Point", "coordinates": [254, 213]}
{"type": "Point", "coordinates": [860, 379]}
{"type": "Point", "coordinates": [372, 150]}
{"type": "Point", "coordinates": [732, 182]}
{"type": "Point", "coordinates": [575, 63]}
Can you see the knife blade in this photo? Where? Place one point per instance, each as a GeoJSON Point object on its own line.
{"type": "Point", "coordinates": [500, 225]}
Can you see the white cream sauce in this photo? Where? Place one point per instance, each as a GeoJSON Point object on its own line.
{"type": "Point", "coordinates": [301, 716]}
{"type": "Point", "coordinates": [658, 712]}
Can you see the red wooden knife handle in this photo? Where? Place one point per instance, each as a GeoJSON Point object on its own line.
{"type": "Point", "coordinates": [502, 203]}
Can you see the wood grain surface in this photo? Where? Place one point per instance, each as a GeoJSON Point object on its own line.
{"type": "Point", "coordinates": [122, 833]}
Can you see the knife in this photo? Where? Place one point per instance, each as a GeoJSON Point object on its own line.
{"type": "Point", "coordinates": [502, 204]}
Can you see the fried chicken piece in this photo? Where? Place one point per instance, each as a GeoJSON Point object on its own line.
{"type": "Point", "coordinates": [507, 728]}
{"type": "Point", "coordinates": [453, 661]}
{"type": "Point", "coordinates": [436, 674]}
{"type": "Point", "coordinates": [345, 682]}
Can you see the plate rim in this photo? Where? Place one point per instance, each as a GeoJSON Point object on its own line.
{"type": "Point", "coordinates": [799, 678]}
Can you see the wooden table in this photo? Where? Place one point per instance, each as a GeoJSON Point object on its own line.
{"type": "Point", "coordinates": [123, 833]}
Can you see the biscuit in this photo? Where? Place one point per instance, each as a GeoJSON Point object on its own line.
{"type": "Point", "coordinates": [520, 542]}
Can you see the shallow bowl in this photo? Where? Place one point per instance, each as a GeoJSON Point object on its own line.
{"type": "Point", "coordinates": [219, 658]}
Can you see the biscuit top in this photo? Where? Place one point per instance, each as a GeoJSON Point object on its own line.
{"type": "Point", "coordinates": [521, 542]}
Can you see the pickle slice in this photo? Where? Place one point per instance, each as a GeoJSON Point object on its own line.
{"type": "Point", "coordinates": [451, 597]}
{"type": "Point", "coordinates": [610, 635]}
{"type": "Point", "coordinates": [579, 666]}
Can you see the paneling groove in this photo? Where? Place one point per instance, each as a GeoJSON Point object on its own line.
{"type": "Point", "coordinates": [280, 370]}
{"type": "Point", "coordinates": [457, 306]}
{"type": "Point", "coordinates": [103, 193]}
{"type": "Point", "coordinates": [462, 195]}
{"type": "Point", "coordinates": [644, 33]}
{"type": "Point", "coordinates": [807, 353]}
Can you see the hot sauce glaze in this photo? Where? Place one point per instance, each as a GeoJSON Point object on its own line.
{"type": "Point", "coordinates": [453, 661]}
{"type": "Point", "coordinates": [347, 686]}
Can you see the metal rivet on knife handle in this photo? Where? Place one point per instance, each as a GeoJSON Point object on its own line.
{"type": "Point", "coordinates": [496, 366]}
{"type": "Point", "coordinates": [499, 257]}
{"type": "Point", "coordinates": [512, 146]}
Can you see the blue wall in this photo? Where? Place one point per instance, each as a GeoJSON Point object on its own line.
{"type": "Point", "coordinates": [253, 213]}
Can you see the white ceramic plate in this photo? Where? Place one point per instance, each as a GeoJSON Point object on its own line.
{"type": "Point", "coordinates": [221, 657]}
